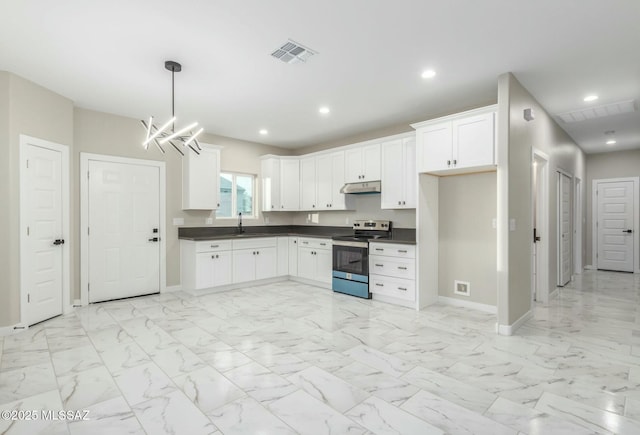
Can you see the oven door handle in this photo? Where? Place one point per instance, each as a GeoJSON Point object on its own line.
{"type": "Point", "coordinates": [355, 261]}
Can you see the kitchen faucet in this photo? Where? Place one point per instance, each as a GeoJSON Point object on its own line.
{"type": "Point", "coordinates": [239, 229]}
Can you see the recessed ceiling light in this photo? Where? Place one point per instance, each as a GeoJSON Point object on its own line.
{"type": "Point", "coordinates": [264, 132]}
{"type": "Point", "coordinates": [428, 74]}
{"type": "Point", "coordinates": [611, 142]}
{"type": "Point", "coordinates": [324, 110]}
{"type": "Point", "coordinates": [589, 98]}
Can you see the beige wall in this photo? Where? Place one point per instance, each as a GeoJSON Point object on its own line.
{"type": "Point", "coordinates": [606, 165]}
{"type": "Point", "coordinates": [37, 112]}
{"type": "Point", "coordinates": [521, 137]}
{"type": "Point", "coordinates": [102, 133]}
{"type": "Point", "coordinates": [467, 240]}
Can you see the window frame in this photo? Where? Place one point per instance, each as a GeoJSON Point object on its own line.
{"type": "Point", "coordinates": [234, 195]}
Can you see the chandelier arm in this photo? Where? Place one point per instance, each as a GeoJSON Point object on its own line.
{"type": "Point", "coordinates": [194, 150]}
{"type": "Point", "coordinates": [177, 149]}
{"type": "Point", "coordinates": [159, 146]}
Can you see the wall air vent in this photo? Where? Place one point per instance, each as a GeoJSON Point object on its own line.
{"type": "Point", "coordinates": [292, 52]}
{"type": "Point", "coordinates": [598, 111]}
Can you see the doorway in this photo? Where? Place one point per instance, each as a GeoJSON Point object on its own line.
{"type": "Point", "coordinates": [540, 218]}
{"type": "Point", "coordinates": [44, 230]}
{"type": "Point", "coordinates": [615, 216]}
{"type": "Point", "coordinates": [122, 225]}
{"type": "Point", "coordinates": [565, 243]}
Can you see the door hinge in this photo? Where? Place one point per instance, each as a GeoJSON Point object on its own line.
{"type": "Point", "coordinates": [88, 287]}
{"type": "Point", "coordinates": [88, 232]}
{"type": "Point", "coordinates": [29, 298]}
{"type": "Point", "coordinates": [27, 163]}
{"type": "Point", "coordinates": [87, 175]}
{"type": "Point", "coordinates": [28, 233]}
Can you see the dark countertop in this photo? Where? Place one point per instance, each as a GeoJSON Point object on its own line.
{"type": "Point", "coordinates": [399, 235]}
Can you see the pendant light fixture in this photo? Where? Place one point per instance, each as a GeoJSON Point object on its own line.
{"type": "Point", "coordinates": [164, 134]}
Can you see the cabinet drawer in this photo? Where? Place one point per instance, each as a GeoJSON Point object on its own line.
{"type": "Point", "coordinates": [255, 243]}
{"type": "Point", "coordinates": [311, 242]}
{"type": "Point", "coordinates": [213, 245]}
{"type": "Point", "coordinates": [394, 287]}
{"type": "Point", "coordinates": [392, 250]}
{"type": "Point", "coordinates": [389, 266]}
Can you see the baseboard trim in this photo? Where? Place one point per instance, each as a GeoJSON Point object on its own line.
{"type": "Point", "coordinates": [310, 282]}
{"type": "Point", "coordinates": [173, 288]}
{"type": "Point", "coordinates": [468, 304]}
{"type": "Point", "coordinates": [511, 329]}
{"type": "Point", "coordinates": [554, 294]}
{"type": "Point", "coordinates": [13, 329]}
{"type": "Point", "coordinates": [590, 267]}
{"type": "Point", "coordinates": [394, 301]}
{"type": "Point", "coordinates": [68, 309]}
{"type": "Point", "coordinates": [234, 286]}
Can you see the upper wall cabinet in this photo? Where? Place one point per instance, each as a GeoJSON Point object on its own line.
{"type": "Point", "coordinates": [329, 181]}
{"type": "Point", "coordinates": [399, 176]}
{"type": "Point", "coordinates": [362, 164]}
{"type": "Point", "coordinates": [201, 179]}
{"type": "Point", "coordinates": [308, 199]}
{"type": "Point", "coordinates": [459, 143]}
{"type": "Point", "coordinates": [280, 178]}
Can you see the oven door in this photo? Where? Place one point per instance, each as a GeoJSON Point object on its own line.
{"type": "Point", "coordinates": [351, 258]}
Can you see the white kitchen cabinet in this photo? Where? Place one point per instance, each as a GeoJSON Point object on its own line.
{"type": "Point", "coordinates": [270, 178]}
{"type": "Point", "coordinates": [283, 256]}
{"type": "Point", "coordinates": [266, 263]}
{"type": "Point", "coordinates": [289, 184]}
{"type": "Point", "coordinates": [308, 200]}
{"type": "Point", "coordinates": [254, 258]}
{"type": "Point", "coordinates": [456, 144]}
{"type": "Point", "coordinates": [293, 256]}
{"type": "Point", "coordinates": [329, 181]}
{"type": "Point", "coordinates": [399, 176]}
{"type": "Point", "coordinates": [205, 264]}
{"type": "Point", "coordinates": [201, 179]}
{"type": "Point", "coordinates": [315, 259]}
{"type": "Point", "coordinates": [392, 273]}
{"type": "Point", "coordinates": [362, 163]}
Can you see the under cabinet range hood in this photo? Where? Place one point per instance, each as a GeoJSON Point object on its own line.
{"type": "Point", "coordinates": [361, 188]}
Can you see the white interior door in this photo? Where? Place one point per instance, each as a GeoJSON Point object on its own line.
{"type": "Point", "coordinates": [44, 243]}
{"type": "Point", "coordinates": [615, 224]}
{"type": "Point", "coordinates": [124, 223]}
{"type": "Point", "coordinates": [564, 229]}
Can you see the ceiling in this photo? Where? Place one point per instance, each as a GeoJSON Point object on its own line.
{"type": "Point", "coordinates": [109, 56]}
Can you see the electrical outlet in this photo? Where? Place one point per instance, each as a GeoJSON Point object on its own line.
{"type": "Point", "coordinates": [209, 221]}
{"type": "Point", "coordinates": [512, 224]}
{"type": "Point", "coordinates": [178, 221]}
{"type": "Point", "coordinates": [494, 223]}
{"type": "Point", "coordinates": [346, 220]}
{"type": "Point", "coordinates": [266, 219]}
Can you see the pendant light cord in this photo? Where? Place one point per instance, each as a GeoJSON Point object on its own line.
{"type": "Point", "coordinates": [173, 97]}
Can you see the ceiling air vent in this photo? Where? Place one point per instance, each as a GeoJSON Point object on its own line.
{"type": "Point", "coordinates": [598, 111]}
{"type": "Point", "coordinates": [292, 52]}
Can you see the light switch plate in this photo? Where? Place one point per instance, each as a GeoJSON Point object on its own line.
{"type": "Point", "coordinates": [494, 223]}
{"type": "Point", "coordinates": [209, 221]}
{"type": "Point", "coordinates": [512, 224]}
{"type": "Point", "coordinates": [178, 221]}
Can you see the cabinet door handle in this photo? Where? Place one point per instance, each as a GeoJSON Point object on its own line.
{"type": "Point", "coordinates": [379, 265]}
{"type": "Point", "coordinates": [254, 252]}
{"type": "Point", "coordinates": [448, 162]}
{"type": "Point", "coordinates": [323, 244]}
{"type": "Point", "coordinates": [379, 249]}
{"type": "Point", "coordinates": [402, 268]}
{"type": "Point", "coordinates": [399, 202]}
{"type": "Point", "coordinates": [305, 243]}
{"type": "Point", "coordinates": [379, 285]}
{"type": "Point", "coordinates": [402, 251]}
{"type": "Point", "coordinates": [313, 206]}
{"type": "Point", "coordinates": [272, 206]}
{"type": "Point", "coordinates": [213, 256]}
{"type": "Point", "coordinates": [215, 246]}
{"type": "Point", "coordinates": [455, 162]}
{"type": "Point", "coordinates": [402, 288]}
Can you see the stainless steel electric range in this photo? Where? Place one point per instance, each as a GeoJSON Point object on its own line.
{"type": "Point", "coordinates": [351, 257]}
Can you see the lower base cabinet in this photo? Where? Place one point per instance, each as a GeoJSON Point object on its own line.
{"type": "Point", "coordinates": [392, 271]}
{"type": "Point", "coordinates": [213, 269]}
{"type": "Point", "coordinates": [315, 259]}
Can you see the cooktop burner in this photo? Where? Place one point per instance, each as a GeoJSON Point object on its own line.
{"type": "Point", "coordinates": [365, 230]}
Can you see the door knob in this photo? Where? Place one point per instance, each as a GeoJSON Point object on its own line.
{"type": "Point", "coordinates": [154, 239]}
{"type": "Point", "coordinates": [58, 242]}
{"type": "Point", "coordinates": [627, 231]}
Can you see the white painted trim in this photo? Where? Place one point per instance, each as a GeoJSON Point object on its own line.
{"type": "Point", "coordinates": [472, 112]}
{"type": "Point", "coordinates": [394, 301]}
{"type": "Point", "coordinates": [590, 267]}
{"type": "Point", "coordinates": [492, 309]}
{"type": "Point", "coordinates": [636, 225]}
{"type": "Point", "coordinates": [555, 293]}
{"type": "Point", "coordinates": [560, 173]}
{"type": "Point", "coordinates": [85, 158]}
{"type": "Point", "coordinates": [542, 254]}
{"type": "Point", "coordinates": [173, 288]}
{"type": "Point", "coordinates": [13, 329]}
{"type": "Point", "coordinates": [511, 329]}
{"type": "Point", "coordinates": [66, 229]}
{"type": "Point", "coordinates": [578, 188]}
{"type": "Point", "coordinates": [237, 285]}
{"type": "Point", "coordinates": [310, 282]}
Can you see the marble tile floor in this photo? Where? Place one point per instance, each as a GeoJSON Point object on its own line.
{"type": "Point", "coordinates": [289, 358]}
